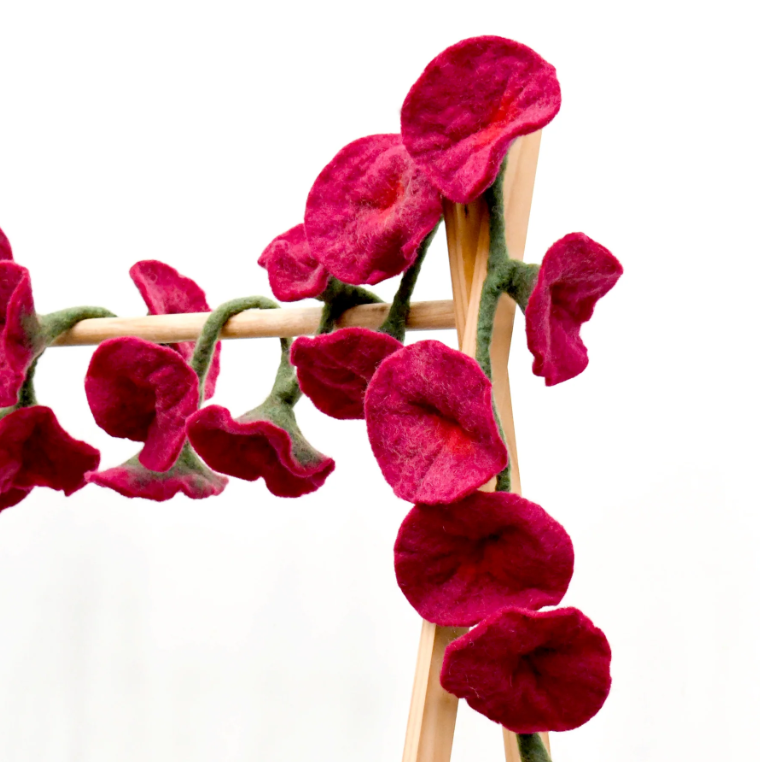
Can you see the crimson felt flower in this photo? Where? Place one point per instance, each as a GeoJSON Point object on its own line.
{"type": "Point", "coordinates": [5, 247]}
{"type": "Point", "coordinates": [294, 273]}
{"type": "Point", "coordinates": [458, 563]}
{"type": "Point", "coordinates": [166, 292]}
{"type": "Point", "coordinates": [469, 105]}
{"type": "Point", "coordinates": [369, 210]}
{"type": "Point", "coordinates": [431, 424]}
{"type": "Point", "coordinates": [531, 671]}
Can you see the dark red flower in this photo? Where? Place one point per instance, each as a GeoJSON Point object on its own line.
{"type": "Point", "coordinates": [36, 452]}
{"type": "Point", "coordinates": [469, 105]}
{"type": "Point", "coordinates": [369, 210]}
{"type": "Point", "coordinates": [335, 368]}
{"type": "Point", "coordinates": [575, 273]}
{"type": "Point", "coordinates": [5, 247]}
{"type": "Point", "coordinates": [531, 670]}
{"type": "Point", "coordinates": [144, 392]}
{"type": "Point", "coordinates": [458, 563]}
{"type": "Point", "coordinates": [431, 424]}
{"type": "Point", "coordinates": [166, 292]}
{"type": "Point", "coordinates": [253, 446]}
{"type": "Point", "coordinates": [294, 273]}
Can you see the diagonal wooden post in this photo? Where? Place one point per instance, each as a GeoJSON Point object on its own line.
{"type": "Point", "coordinates": [433, 711]}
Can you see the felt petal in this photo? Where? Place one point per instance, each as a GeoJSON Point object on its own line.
{"type": "Point", "coordinates": [12, 497]}
{"type": "Point", "coordinates": [531, 671]}
{"type": "Point", "coordinates": [575, 273]}
{"type": "Point", "coordinates": [335, 368]}
{"type": "Point", "coordinates": [431, 425]}
{"type": "Point", "coordinates": [458, 563]}
{"type": "Point", "coordinates": [144, 392]}
{"type": "Point", "coordinates": [166, 292]}
{"type": "Point", "coordinates": [5, 248]}
{"type": "Point", "coordinates": [294, 273]}
{"type": "Point", "coordinates": [251, 447]}
{"type": "Point", "coordinates": [469, 105]}
{"type": "Point", "coordinates": [369, 210]}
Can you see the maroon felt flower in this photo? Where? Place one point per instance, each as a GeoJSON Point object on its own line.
{"type": "Point", "coordinates": [166, 292]}
{"type": "Point", "coordinates": [369, 210]}
{"type": "Point", "coordinates": [575, 273]}
{"type": "Point", "coordinates": [458, 563]}
{"type": "Point", "coordinates": [531, 671]}
{"type": "Point", "coordinates": [20, 336]}
{"type": "Point", "coordinates": [467, 107]}
{"type": "Point", "coordinates": [431, 424]}
{"type": "Point", "coordinates": [144, 392]}
{"type": "Point", "coordinates": [36, 452]}
{"type": "Point", "coordinates": [254, 446]}
{"type": "Point", "coordinates": [5, 247]}
{"type": "Point", "coordinates": [335, 368]}
{"type": "Point", "coordinates": [294, 273]}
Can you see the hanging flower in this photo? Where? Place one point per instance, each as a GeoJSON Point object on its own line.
{"type": "Point", "coordinates": [469, 105]}
{"type": "Point", "coordinates": [166, 292]}
{"type": "Point", "coordinates": [458, 563]}
{"type": "Point", "coordinates": [531, 671]}
{"type": "Point", "coordinates": [431, 425]}
{"type": "Point", "coordinates": [294, 273]}
{"type": "Point", "coordinates": [5, 247]}
{"type": "Point", "coordinates": [369, 210]}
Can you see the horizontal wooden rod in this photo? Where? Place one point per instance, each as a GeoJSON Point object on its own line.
{"type": "Point", "coordinates": [287, 322]}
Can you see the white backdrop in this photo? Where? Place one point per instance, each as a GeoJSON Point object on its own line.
{"type": "Point", "coordinates": [248, 627]}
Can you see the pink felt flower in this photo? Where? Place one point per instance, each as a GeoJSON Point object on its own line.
{"type": "Point", "coordinates": [467, 107]}
{"type": "Point", "coordinates": [294, 273]}
{"type": "Point", "coordinates": [144, 392]}
{"type": "Point", "coordinates": [36, 452]}
{"type": "Point", "coordinates": [166, 292]}
{"type": "Point", "coordinates": [5, 247]}
{"type": "Point", "coordinates": [531, 671]}
{"type": "Point", "coordinates": [253, 446]}
{"type": "Point", "coordinates": [575, 273]}
{"type": "Point", "coordinates": [20, 336]}
{"type": "Point", "coordinates": [431, 424]}
{"type": "Point", "coordinates": [335, 368]}
{"type": "Point", "coordinates": [369, 210]}
{"type": "Point", "coordinates": [458, 563]}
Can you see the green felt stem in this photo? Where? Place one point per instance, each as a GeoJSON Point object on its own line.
{"type": "Point", "coordinates": [285, 390]}
{"type": "Point", "coordinates": [27, 396]}
{"type": "Point", "coordinates": [532, 748]}
{"type": "Point", "coordinates": [339, 297]}
{"type": "Point", "coordinates": [54, 324]}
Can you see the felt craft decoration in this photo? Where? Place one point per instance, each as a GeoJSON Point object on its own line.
{"type": "Point", "coordinates": [531, 671]}
{"type": "Point", "coordinates": [458, 563]}
{"type": "Point", "coordinates": [369, 210]}
{"type": "Point", "coordinates": [166, 292]}
{"type": "Point", "coordinates": [5, 247]}
{"type": "Point", "coordinates": [469, 105]}
{"type": "Point", "coordinates": [294, 273]}
{"type": "Point", "coordinates": [431, 424]}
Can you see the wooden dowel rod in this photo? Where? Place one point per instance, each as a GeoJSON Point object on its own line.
{"type": "Point", "coordinates": [286, 322]}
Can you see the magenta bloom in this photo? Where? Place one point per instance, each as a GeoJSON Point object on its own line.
{"type": "Point", "coordinates": [144, 392]}
{"type": "Point", "coordinates": [369, 210]}
{"type": "Point", "coordinates": [166, 292]}
{"type": "Point", "coordinates": [576, 272]}
{"type": "Point", "coordinates": [531, 671]}
{"type": "Point", "coordinates": [5, 247]}
{"type": "Point", "coordinates": [431, 425]}
{"type": "Point", "coordinates": [469, 105]}
{"type": "Point", "coordinates": [294, 273]}
{"type": "Point", "coordinates": [458, 563]}
{"type": "Point", "coordinates": [253, 446]}
{"type": "Point", "coordinates": [335, 368]}
{"type": "Point", "coordinates": [36, 452]}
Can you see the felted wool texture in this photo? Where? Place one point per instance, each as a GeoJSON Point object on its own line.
{"type": "Point", "coordinates": [20, 335]}
{"type": "Point", "coordinates": [431, 425]}
{"type": "Point", "coordinates": [35, 451]}
{"type": "Point", "coordinates": [456, 564]}
{"type": "Point", "coordinates": [531, 670]}
{"type": "Point", "coordinates": [469, 105]}
{"type": "Point", "coordinates": [252, 447]}
{"type": "Point", "coordinates": [369, 210]}
{"type": "Point", "coordinates": [166, 292]}
{"type": "Point", "coordinates": [294, 273]}
{"type": "Point", "coordinates": [5, 247]}
{"type": "Point", "coordinates": [144, 392]}
{"type": "Point", "coordinates": [575, 273]}
{"type": "Point", "coordinates": [335, 368]}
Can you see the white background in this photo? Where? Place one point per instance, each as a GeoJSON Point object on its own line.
{"type": "Point", "coordinates": [248, 627]}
